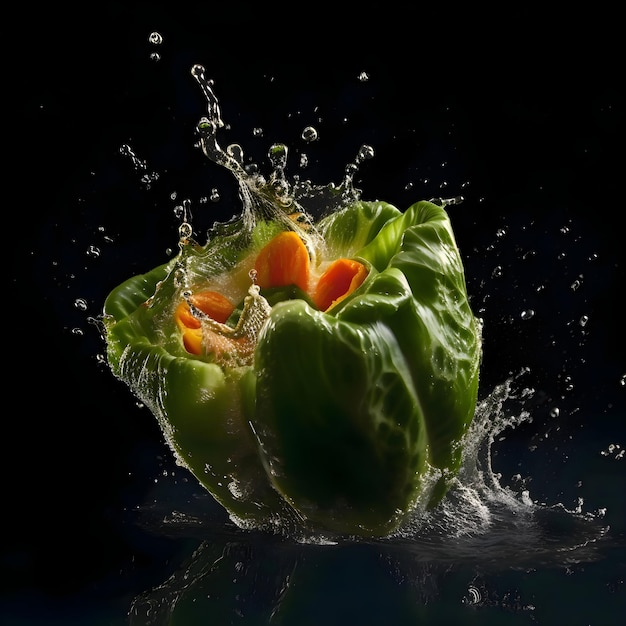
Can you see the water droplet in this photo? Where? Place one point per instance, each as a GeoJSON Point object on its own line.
{"type": "Point", "coordinates": [613, 448]}
{"type": "Point", "coordinates": [80, 304]}
{"type": "Point", "coordinates": [309, 134]}
{"type": "Point", "coordinates": [185, 231]}
{"type": "Point", "coordinates": [197, 71]}
{"type": "Point", "coordinates": [304, 160]}
{"type": "Point", "coordinates": [555, 412]}
{"type": "Point", "coordinates": [183, 212]}
{"type": "Point", "coordinates": [583, 320]}
{"type": "Point", "coordinates": [93, 252]}
{"type": "Point", "coordinates": [215, 195]}
{"type": "Point", "coordinates": [127, 151]}
{"type": "Point", "coordinates": [364, 77]}
{"type": "Point", "coordinates": [527, 314]}
{"type": "Point", "coordinates": [155, 38]}
{"type": "Point", "coordinates": [155, 56]}
{"type": "Point", "coordinates": [187, 210]}
{"type": "Point", "coordinates": [448, 201]}
{"type": "Point", "coordinates": [365, 152]}
{"type": "Point", "coordinates": [497, 271]}
{"type": "Point", "coordinates": [235, 151]}
{"type": "Point", "coordinates": [278, 154]}
{"type": "Point", "coordinates": [148, 179]}
{"type": "Point", "coordinates": [257, 132]}
{"type": "Point", "coordinates": [473, 595]}
{"type": "Point", "coordinates": [78, 332]}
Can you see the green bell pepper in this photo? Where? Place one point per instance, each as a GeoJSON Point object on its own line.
{"type": "Point", "coordinates": [321, 374]}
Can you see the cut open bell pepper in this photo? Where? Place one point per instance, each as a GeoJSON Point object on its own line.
{"type": "Point", "coordinates": [326, 382]}
{"type": "Point", "coordinates": [284, 261]}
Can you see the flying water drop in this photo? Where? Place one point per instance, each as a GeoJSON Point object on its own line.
{"type": "Point", "coordinates": [309, 134]}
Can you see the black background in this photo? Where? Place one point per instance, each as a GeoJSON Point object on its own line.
{"type": "Point", "coordinates": [518, 111]}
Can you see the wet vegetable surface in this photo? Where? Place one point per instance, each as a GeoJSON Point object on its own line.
{"type": "Point", "coordinates": [322, 374]}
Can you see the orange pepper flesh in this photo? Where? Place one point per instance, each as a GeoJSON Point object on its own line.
{"type": "Point", "coordinates": [283, 261]}
{"type": "Point", "coordinates": [213, 304]}
{"type": "Point", "coordinates": [341, 278]}
{"type": "Point", "coordinates": [192, 340]}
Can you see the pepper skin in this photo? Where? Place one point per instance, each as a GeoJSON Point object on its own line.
{"type": "Point", "coordinates": [323, 381]}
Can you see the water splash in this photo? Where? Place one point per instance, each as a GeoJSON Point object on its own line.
{"type": "Point", "coordinates": [480, 520]}
{"type": "Point", "coordinates": [261, 196]}
{"type": "Point", "coordinates": [140, 165]}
